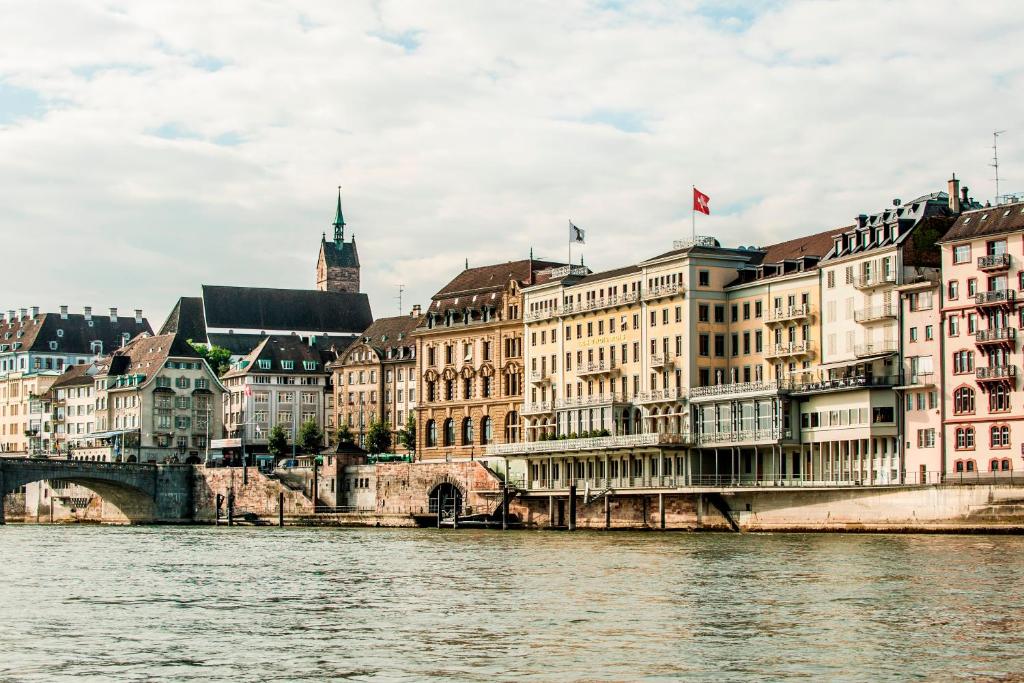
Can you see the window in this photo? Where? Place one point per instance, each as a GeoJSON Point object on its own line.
{"type": "Point", "coordinates": [703, 345]}
{"type": "Point", "coordinates": [925, 438]}
{"type": "Point", "coordinates": [963, 401]}
{"type": "Point", "coordinates": [449, 432]}
{"type": "Point", "coordinates": [954, 326]}
{"type": "Point", "coordinates": [263, 363]}
{"type": "Point", "coordinates": [758, 309]}
{"type": "Point", "coordinates": [703, 278]}
{"type": "Point", "coordinates": [831, 279]}
{"type": "Point", "coordinates": [929, 332]}
{"type": "Point", "coordinates": [963, 362]}
{"type": "Point", "coordinates": [999, 436]}
{"type": "Point", "coordinates": [953, 290]}
{"type": "Point", "coordinates": [431, 433]}
{"type": "Point", "coordinates": [965, 440]}
{"type": "Point", "coordinates": [703, 313]}
{"type": "Point", "coordinates": [961, 253]}
{"type": "Point", "coordinates": [467, 431]}
{"type": "Point", "coordinates": [486, 430]}
{"type": "Point", "coordinates": [719, 314]}
{"type": "Point", "coordinates": [999, 399]}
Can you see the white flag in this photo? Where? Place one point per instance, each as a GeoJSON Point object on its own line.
{"type": "Point", "coordinates": [576, 234]}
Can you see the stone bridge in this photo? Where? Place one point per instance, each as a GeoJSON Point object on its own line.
{"type": "Point", "coordinates": [137, 492]}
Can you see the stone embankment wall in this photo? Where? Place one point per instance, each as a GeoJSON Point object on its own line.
{"type": "Point", "coordinates": [404, 488]}
{"type": "Point", "coordinates": [14, 507]}
{"type": "Point", "coordinates": [261, 495]}
{"type": "Point", "coordinates": [996, 508]}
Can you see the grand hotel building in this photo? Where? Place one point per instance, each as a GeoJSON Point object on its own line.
{"type": "Point", "coordinates": [708, 364]}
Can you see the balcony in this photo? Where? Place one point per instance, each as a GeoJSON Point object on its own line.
{"type": "Point", "coordinates": [788, 350]}
{"type": "Point", "coordinates": [847, 384]}
{"type": "Point", "coordinates": [661, 395]}
{"type": "Point", "coordinates": [542, 314]}
{"type": "Point", "coordinates": [917, 380]}
{"type": "Point", "coordinates": [875, 281]}
{"type": "Point", "coordinates": [996, 335]}
{"type": "Point", "coordinates": [738, 390]}
{"type": "Point", "coordinates": [598, 304]}
{"type": "Point", "coordinates": [662, 291]}
{"type": "Point", "coordinates": [661, 362]}
{"type": "Point", "coordinates": [875, 314]}
{"type": "Point", "coordinates": [994, 262]}
{"type": "Point", "coordinates": [998, 297]}
{"type": "Point", "coordinates": [601, 367]}
{"type": "Point", "coordinates": [539, 377]}
{"type": "Point", "coordinates": [590, 444]}
{"type": "Point", "coordinates": [789, 314]}
{"type": "Point", "coordinates": [875, 349]}
{"type": "Point", "coordinates": [742, 437]}
{"type": "Point", "coordinates": [590, 401]}
{"type": "Point", "coordinates": [996, 373]}
{"type": "Point", "coordinates": [538, 408]}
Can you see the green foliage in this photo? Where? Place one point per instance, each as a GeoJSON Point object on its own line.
{"type": "Point", "coordinates": [277, 441]}
{"type": "Point", "coordinates": [378, 438]}
{"type": "Point", "coordinates": [218, 357]}
{"type": "Point", "coordinates": [344, 435]}
{"type": "Point", "coordinates": [407, 435]}
{"type": "Point", "coordinates": [311, 437]}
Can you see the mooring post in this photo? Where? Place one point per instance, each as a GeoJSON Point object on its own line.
{"type": "Point", "coordinates": [280, 508]}
{"type": "Point", "coordinates": [455, 515]}
{"type": "Point", "coordinates": [551, 512]}
{"type": "Point", "coordinates": [572, 506]}
{"type": "Point", "coordinates": [607, 511]}
{"type": "Point", "coordinates": [231, 508]}
{"type": "Point", "coordinates": [504, 502]}
{"type": "Point", "coordinates": [661, 508]}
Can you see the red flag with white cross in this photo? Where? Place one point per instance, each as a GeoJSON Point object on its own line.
{"type": "Point", "coordinates": [700, 202]}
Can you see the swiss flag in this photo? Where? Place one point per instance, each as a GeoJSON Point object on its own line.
{"type": "Point", "coordinates": [700, 202]}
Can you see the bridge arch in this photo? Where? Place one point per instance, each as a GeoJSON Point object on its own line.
{"type": "Point", "coordinates": [127, 490]}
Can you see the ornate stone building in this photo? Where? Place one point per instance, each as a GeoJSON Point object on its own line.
{"type": "Point", "coordinates": [375, 378]}
{"type": "Point", "coordinates": [337, 268]}
{"type": "Point", "coordinates": [469, 360]}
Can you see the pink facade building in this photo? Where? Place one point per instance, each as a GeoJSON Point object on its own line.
{"type": "Point", "coordinates": [982, 258]}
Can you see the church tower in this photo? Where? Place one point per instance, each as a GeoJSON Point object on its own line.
{"type": "Point", "coordinates": [337, 269]}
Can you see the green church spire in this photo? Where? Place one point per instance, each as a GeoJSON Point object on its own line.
{"type": "Point", "coordinates": [339, 221]}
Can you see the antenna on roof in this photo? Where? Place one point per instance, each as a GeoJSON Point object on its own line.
{"type": "Point", "coordinates": [995, 158]}
{"type": "Point", "coordinates": [467, 264]}
{"type": "Point", "coordinates": [401, 288]}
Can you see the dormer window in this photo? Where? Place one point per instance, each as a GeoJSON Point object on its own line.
{"type": "Point", "coordinates": [96, 347]}
{"type": "Point", "coordinates": [287, 365]}
{"type": "Point", "coordinates": [53, 346]}
{"type": "Point", "coordinates": [263, 363]}
{"type": "Point", "coordinates": [309, 365]}
{"type": "Point", "coordinates": [60, 333]}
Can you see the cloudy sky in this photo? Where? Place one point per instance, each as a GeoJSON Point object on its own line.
{"type": "Point", "coordinates": [148, 148]}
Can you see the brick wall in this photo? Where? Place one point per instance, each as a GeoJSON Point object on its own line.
{"type": "Point", "coordinates": [260, 495]}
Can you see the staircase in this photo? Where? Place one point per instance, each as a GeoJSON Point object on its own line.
{"type": "Point", "coordinates": [720, 504]}
{"type": "Point", "coordinates": [1008, 511]}
{"type": "Point", "coordinates": [595, 497]}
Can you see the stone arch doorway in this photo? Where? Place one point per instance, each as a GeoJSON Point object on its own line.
{"type": "Point", "coordinates": [445, 498]}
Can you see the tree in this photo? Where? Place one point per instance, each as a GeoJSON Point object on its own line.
{"type": "Point", "coordinates": [378, 438]}
{"type": "Point", "coordinates": [407, 435]}
{"type": "Point", "coordinates": [344, 435]}
{"type": "Point", "coordinates": [218, 357]}
{"type": "Point", "coordinates": [311, 437]}
{"type": "Point", "coordinates": [278, 441]}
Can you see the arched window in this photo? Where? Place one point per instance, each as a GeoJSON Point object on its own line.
{"type": "Point", "coordinates": [449, 432]}
{"type": "Point", "coordinates": [959, 465]}
{"type": "Point", "coordinates": [993, 465]}
{"type": "Point", "coordinates": [431, 433]}
{"type": "Point", "coordinates": [963, 401]}
{"type": "Point", "coordinates": [1006, 464]}
{"type": "Point", "coordinates": [999, 399]}
{"type": "Point", "coordinates": [467, 431]}
{"type": "Point", "coordinates": [965, 438]}
{"type": "Point", "coordinates": [970, 465]}
{"type": "Point", "coordinates": [512, 427]}
{"type": "Point", "coordinates": [999, 436]}
{"type": "Point", "coordinates": [486, 430]}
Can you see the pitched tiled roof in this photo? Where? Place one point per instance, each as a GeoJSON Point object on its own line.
{"type": "Point", "coordinates": [278, 348]}
{"type": "Point", "coordinates": [73, 334]}
{"type": "Point", "coordinates": [259, 308]}
{"type": "Point", "coordinates": [816, 245]}
{"type": "Point", "coordinates": [389, 333]}
{"type": "Point", "coordinates": [75, 375]}
{"type": "Point", "coordinates": [992, 220]}
{"type": "Point", "coordinates": [146, 354]}
{"type": "Point", "coordinates": [495, 277]}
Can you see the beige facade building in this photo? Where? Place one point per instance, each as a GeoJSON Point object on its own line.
{"type": "Point", "coordinates": [23, 420]}
{"type": "Point", "coordinates": [375, 378]}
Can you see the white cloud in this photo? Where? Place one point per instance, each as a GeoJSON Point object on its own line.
{"type": "Point", "coordinates": [174, 144]}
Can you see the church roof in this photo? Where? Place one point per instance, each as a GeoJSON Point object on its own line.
{"type": "Point", "coordinates": [340, 254]}
{"type": "Point", "coordinates": [295, 310]}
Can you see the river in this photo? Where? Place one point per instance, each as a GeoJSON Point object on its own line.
{"type": "Point", "coordinates": [199, 603]}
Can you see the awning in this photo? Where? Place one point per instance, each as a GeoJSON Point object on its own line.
{"type": "Point", "coordinates": [110, 435]}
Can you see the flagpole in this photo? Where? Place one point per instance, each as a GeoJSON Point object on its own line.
{"type": "Point", "coordinates": [570, 243]}
{"type": "Point", "coordinates": [693, 213]}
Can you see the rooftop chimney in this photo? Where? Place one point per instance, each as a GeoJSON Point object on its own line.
{"type": "Point", "coordinates": [954, 194]}
{"type": "Point", "coordinates": [88, 312]}
{"type": "Point", "coordinates": [963, 197]}
{"type": "Point", "coordinates": [416, 310]}
{"type": "Point", "coordinates": [35, 311]}
{"type": "Point", "coordinates": [113, 315]}
{"type": "Point", "coordinates": [10, 316]}
{"type": "Point", "coordinates": [138, 316]}
{"type": "Point", "coordinates": [64, 312]}
{"type": "Point", "coordinates": [24, 313]}
{"type": "Point", "coordinates": [862, 220]}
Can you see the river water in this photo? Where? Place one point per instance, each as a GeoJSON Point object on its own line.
{"type": "Point", "coordinates": [199, 604]}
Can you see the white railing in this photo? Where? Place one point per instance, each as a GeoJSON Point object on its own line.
{"type": "Point", "coordinates": [788, 349]}
{"type": "Point", "coordinates": [698, 241]}
{"type": "Point", "coordinates": [861, 350]}
{"type": "Point", "coordinates": [744, 436]}
{"type": "Point", "coordinates": [537, 376]}
{"type": "Point", "coordinates": [658, 361]}
{"type": "Point", "coordinates": [790, 313]}
{"type": "Point", "coordinates": [588, 444]}
{"type": "Point", "coordinates": [596, 368]}
{"type": "Point", "coordinates": [593, 400]}
{"type": "Point", "coordinates": [874, 313]}
{"type": "Point", "coordinates": [877, 280]}
{"type": "Point", "coordinates": [662, 290]}
{"type": "Point", "coordinates": [596, 304]}
{"type": "Point", "coordinates": [542, 314]}
{"type": "Point", "coordinates": [739, 388]}
{"type": "Point", "coordinates": [538, 407]}
{"type": "Point", "coordinates": [677, 394]}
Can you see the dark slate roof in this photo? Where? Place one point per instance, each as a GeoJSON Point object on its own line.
{"type": "Point", "coordinates": [259, 308]}
{"type": "Point", "coordinates": [605, 275]}
{"type": "Point", "coordinates": [73, 334]}
{"type": "Point", "coordinates": [237, 344]}
{"type": "Point", "coordinates": [340, 254]}
{"type": "Point", "coordinates": [279, 348]}
{"type": "Point", "coordinates": [390, 333]}
{"type": "Point", "coordinates": [329, 347]}
{"type": "Point", "coordinates": [992, 220]}
{"type": "Point", "coordinates": [186, 318]}
{"type": "Point", "coordinates": [146, 354]}
{"type": "Point", "coordinates": [899, 222]}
